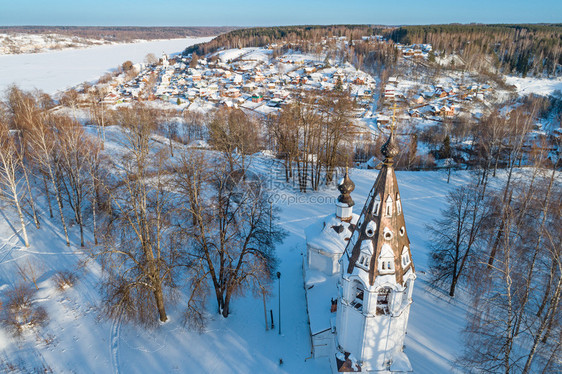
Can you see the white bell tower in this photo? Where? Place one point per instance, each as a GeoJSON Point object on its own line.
{"type": "Point", "coordinates": [376, 282]}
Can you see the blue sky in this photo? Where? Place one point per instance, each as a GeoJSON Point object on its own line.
{"type": "Point", "coordinates": [274, 12]}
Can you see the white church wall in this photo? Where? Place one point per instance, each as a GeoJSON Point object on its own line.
{"type": "Point", "coordinates": [343, 210]}
{"type": "Point", "coordinates": [374, 351]}
{"type": "Point", "coordinates": [350, 338]}
{"type": "Point", "coordinates": [322, 344]}
{"type": "Point", "coordinates": [322, 262]}
{"type": "Point", "coordinates": [370, 304]}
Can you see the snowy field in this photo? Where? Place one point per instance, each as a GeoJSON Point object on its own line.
{"type": "Point", "coordinates": [539, 86]}
{"type": "Point", "coordinates": [57, 70]}
{"type": "Point", "coordinates": [79, 339]}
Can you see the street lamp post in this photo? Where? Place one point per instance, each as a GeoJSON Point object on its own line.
{"type": "Point", "coordinates": [279, 280]}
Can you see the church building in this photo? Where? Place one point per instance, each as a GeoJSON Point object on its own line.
{"type": "Point", "coordinates": [366, 326]}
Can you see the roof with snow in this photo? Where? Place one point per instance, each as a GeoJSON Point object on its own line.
{"type": "Point", "coordinates": [330, 234]}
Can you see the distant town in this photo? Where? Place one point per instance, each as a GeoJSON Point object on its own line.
{"type": "Point", "coordinates": [256, 80]}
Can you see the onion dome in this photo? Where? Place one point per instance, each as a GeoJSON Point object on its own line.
{"type": "Point", "coordinates": [346, 187]}
{"type": "Point", "coordinates": [390, 148]}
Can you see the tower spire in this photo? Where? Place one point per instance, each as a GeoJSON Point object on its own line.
{"type": "Point", "coordinates": [377, 275]}
{"type": "Point", "coordinates": [390, 148]}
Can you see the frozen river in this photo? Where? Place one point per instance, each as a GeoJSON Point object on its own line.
{"type": "Point", "coordinates": [57, 70]}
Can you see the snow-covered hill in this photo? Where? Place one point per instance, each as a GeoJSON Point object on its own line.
{"type": "Point", "coordinates": [77, 338]}
{"type": "Point", "coordinates": [35, 43]}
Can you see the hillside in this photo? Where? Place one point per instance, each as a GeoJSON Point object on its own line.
{"type": "Point", "coordinates": [78, 338]}
{"type": "Point", "coordinates": [35, 39]}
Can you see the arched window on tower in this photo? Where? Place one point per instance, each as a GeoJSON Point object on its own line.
{"type": "Point", "coordinates": [357, 295]}
{"type": "Point", "coordinates": [389, 206]}
{"type": "Point", "coordinates": [383, 301]}
{"type": "Point", "coordinates": [386, 260]}
{"type": "Point", "coordinates": [364, 259]}
{"type": "Point", "coordinates": [377, 205]}
{"type": "Point", "coordinates": [405, 257]}
{"type": "Point", "coordinates": [398, 204]}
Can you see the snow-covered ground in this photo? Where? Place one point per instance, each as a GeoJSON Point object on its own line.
{"type": "Point", "coordinates": [57, 70]}
{"type": "Point", "coordinates": [78, 338]}
{"type": "Point", "coordinates": [539, 86]}
{"type": "Point", "coordinates": [34, 43]}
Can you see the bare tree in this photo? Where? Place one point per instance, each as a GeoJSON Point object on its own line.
{"type": "Point", "coordinates": [517, 299]}
{"type": "Point", "coordinates": [11, 178]}
{"type": "Point", "coordinates": [231, 228]}
{"type": "Point", "coordinates": [24, 111]}
{"type": "Point", "coordinates": [519, 123]}
{"type": "Point", "coordinates": [97, 111]}
{"type": "Point", "coordinates": [76, 155]}
{"type": "Point", "coordinates": [169, 127]}
{"type": "Point", "coordinates": [42, 143]}
{"type": "Point", "coordinates": [194, 60]}
{"type": "Point", "coordinates": [455, 236]}
{"type": "Point", "coordinates": [314, 135]}
{"type": "Point", "coordinates": [193, 126]}
{"type": "Point", "coordinates": [235, 134]}
{"type": "Point", "coordinates": [70, 98]}
{"type": "Point", "coordinates": [29, 272]}
{"type": "Point", "coordinates": [136, 252]}
{"type": "Point", "coordinates": [151, 59]}
{"type": "Point", "coordinates": [338, 131]}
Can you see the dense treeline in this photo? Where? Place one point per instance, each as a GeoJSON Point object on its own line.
{"type": "Point", "coordinates": [261, 36]}
{"type": "Point", "coordinates": [119, 33]}
{"type": "Point", "coordinates": [521, 49]}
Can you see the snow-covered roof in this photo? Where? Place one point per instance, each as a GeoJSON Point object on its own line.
{"type": "Point", "coordinates": [323, 234]}
{"type": "Point", "coordinates": [320, 289]}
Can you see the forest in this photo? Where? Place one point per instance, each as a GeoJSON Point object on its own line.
{"type": "Point", "coordinates": [514, 49]}
{"type": "Point", "coordinates": [261, 36]}
{"type": "Point", "coordinates": [118, 33]}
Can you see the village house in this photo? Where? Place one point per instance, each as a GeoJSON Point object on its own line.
{"type": "Point", "coordinates": [418, 99]}
{"type": "Point", "coordinates": [389, 91]}
{"type": "Point", "coordinates": [358, 81]}
{"type": "Point", "coordinates": [257, 98]}
{"type": "Point", "coordinates": [447, 111]}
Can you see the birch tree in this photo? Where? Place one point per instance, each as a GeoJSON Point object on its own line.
{"type": "Point", "coordinates": [517, 300]}
{"type": "Point", "coordinates": [77, 153]}
{"type": "Point", "coordinates": [42, 142]}
{"type": "Point", "coordinates": [136, 249]}
{"type": "Point", "coordinates": [11, 176]}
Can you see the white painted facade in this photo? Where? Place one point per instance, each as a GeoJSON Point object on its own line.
{"type": "Point", "coordinates": [374, 337]}
{"type": "Point", "coordinates": [326, 240]}
{"type": "Point", "coordinates": [376, 282]}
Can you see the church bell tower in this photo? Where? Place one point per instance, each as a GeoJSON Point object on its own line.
{"type": "Point", "coordinates": [376, 281]}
